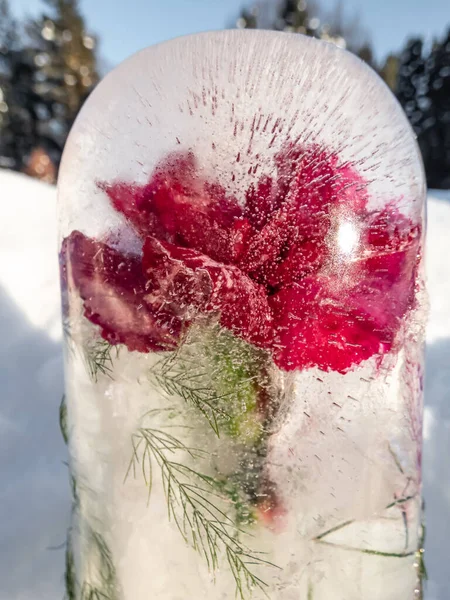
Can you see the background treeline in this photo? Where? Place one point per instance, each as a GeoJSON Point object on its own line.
{"type": "Point", "coordinates": [50, 64]}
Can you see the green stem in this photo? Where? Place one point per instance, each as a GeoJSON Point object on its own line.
{"type": "Point", "coordinates": [192, 505]}
{"type": "Point", "coordinates": [333, 529]}
{"type": "Point", "coordinates": [367, 551]}
{"type": "Point", "coordinates": [346, 523]}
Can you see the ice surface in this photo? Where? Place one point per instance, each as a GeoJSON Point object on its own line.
{"type": "Point", "coordinates": [29, 570]}
{"type": "Point", "coordinates": [273, 194]}
{"type": "Point", "coordinates": [235, 97]}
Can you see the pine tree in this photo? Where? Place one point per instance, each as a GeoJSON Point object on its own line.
{"type": "Point", "coordinates": [19, 103]}
{"type": "Point", "coordinates": [294, 16]}
{"type": "Point", "coordinates": [297, 16]}
{"type": "Point", "coordinates": [9, 31]}
{"type": "Point", "coordinates": [290, 15]}
{"type": "Point", "coordinates": [9, 44]}
{"type": "Point", "coordinates": [44, 81]}
{"type": "Point", "coordinates": [412, 82]}
{"type": "Point", "coordinates": [436, 137]}
{"type": "Point", "coordinates": [389, 71]}
{"type": "Point", "coordinates": [66, 60]}
{"type": "Point", "coordinates": [25, 109]}
{"type": "Point", "coordinates": [423, 90]}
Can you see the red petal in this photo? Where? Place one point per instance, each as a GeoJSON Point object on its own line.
{"type": "Point", "coordinates": [266, 246]}
{"type": "Point", "coordinates": [337, 323]}
{"type": "Point", "coordinates": [320, 180]}
{"type": "Point", "coordinates": [316, 330]}
{"type": "Point", "coordinates": [240, 237]}
{"type": "Point", "coordinates": [261, 201]}
{"type": "Point", "coordinates": [301, 259]}
{"type": "Point", "coordinates": [187, 279]}
{"type": "Point", "coordinates": [127, 198]}
{"type": "Point", "coordinates": [385, 280]}
{"type": "Point", "coordinates": [292, 238]}
{"type": "Point", "coordinates": [177, 205]}
{"type": "Point", "coordinates": [112, 287]}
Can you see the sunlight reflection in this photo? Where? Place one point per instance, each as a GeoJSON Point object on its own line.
{"type": "Point", "coordinates": [347, 237]}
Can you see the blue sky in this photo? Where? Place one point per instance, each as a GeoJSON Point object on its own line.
{"type": "Point", "coordinates": [125, 26]}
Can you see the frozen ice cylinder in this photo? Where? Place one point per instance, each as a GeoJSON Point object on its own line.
{"type": "Point", "coordinates": [241, 220]}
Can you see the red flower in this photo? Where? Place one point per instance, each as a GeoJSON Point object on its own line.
{"type": "Point", "coordinates": [273, 271]}
{"type": "Point", "coordinates": [113, 288]}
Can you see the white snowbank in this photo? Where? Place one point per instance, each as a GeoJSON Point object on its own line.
{"type": "Point", "coordinates": [436, 465]}
{"type": "Point", "coordinates": [34, 492]}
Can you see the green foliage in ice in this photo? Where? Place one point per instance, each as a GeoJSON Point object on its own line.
{"type": "Point", "coordinates": [197, 503]}
{"type": "Point", "coordinates": [236, 369]}
{"type": "Point", "coordinates": [422, 574]}
{"type": "Point", "coordinates": [63, 419]}
{"type": "Point", "coordinates": [98, 356]}
{"type": "Point", "coordinates": [220, 376]}
{"type": "Point", "coordinates": [69, 575]}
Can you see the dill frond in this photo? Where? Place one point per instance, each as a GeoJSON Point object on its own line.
{"type": "Point", "coordinates": [98, 356]}
{"type": "Point", "coordinates": [177, 375]}
{"type": "Point", "coordinates": [195, 504]}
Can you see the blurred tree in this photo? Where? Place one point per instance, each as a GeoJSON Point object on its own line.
{"type": "Point", "coordinates": [412, 83]}
{"type": "Point", "coordinates": [294, 16]}
{"type": "Point", "coordinates": [46, 73]}
{"type": "Point", "coordinates": [435, 136]}
{"type": "Point", "coordinates": [9, 43]}
{"type": "Point", "coordinates": [389, 71]}
{"type": "Point", "coordinates": [248, 19]}
{"type": "Point", "coordinates": [40, 166]}
{"type": "Point", "coordinates": [423, 90]}
{"type": "Point", "coordinates": [347, 31]}
{"type": "Point", "coordinates": [19, 103]}
{"type": "Point", "coordinates": [9, 30]}
{"type": "Point", "coordinates": [301, 16]}
{"type": "Point", "coordinates": [20, 133]}
{"type": "Point", "coordinates": [66, 62]}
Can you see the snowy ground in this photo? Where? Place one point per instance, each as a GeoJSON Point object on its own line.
{"type": "Point", "coordinates": [34, 495]}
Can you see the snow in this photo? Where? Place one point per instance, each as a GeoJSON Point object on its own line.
{"type": "Point", "coordinates": [436, 466]}
{"type": "Point", "coordinates": [34, 492]}
{"type": "Point", "coordinates": [34, 496]}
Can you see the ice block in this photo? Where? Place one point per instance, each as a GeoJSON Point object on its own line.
{"type": "Point", "coordinates": [241, 226]}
